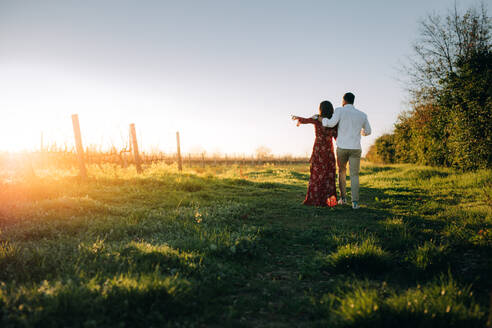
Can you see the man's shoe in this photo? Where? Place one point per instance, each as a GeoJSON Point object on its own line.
{"type": "Point", "coordinates": [342, 201]}
{"type": "Point", "coordinates": [355, 206]}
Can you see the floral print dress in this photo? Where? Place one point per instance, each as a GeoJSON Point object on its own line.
{"type": "Point", "coordinates": [322, 186]}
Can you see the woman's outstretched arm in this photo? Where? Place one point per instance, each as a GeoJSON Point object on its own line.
{"type": "Point", "coordinates": [303, 120]}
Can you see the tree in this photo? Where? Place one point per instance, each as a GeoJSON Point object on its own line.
{"type": "Point", "coordinates": [450, 85]}
{"type": "Point", "coordinates": [385, 148]}
{"type": "Point", "coordinates": [372, 155]}
{"type": "Point", "coordinates": [468, 98]}
{"type": "Point", "coordinates": [442, 45]}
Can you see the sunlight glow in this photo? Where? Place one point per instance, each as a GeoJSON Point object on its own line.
{"type": "Point", "coordinates": [38, 104]}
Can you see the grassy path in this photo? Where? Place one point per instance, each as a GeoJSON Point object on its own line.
{"type": "Point", "coordinates": [211, 248]}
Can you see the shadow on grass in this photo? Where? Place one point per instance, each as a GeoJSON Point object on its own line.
{"type": "Point", "coordinates": [368, 170]}
{"type": "Point", "coordinates": [300, 176]}
{"type": "Point", "coordinates": [132, 300]}
{"type": "Point", "coordinates": [437, 304]}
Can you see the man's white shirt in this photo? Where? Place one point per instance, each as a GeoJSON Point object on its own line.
{"type": "Point", "coordinates": [351, 124]}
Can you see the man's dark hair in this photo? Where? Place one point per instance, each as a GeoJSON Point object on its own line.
{"type": "Point", "coordinates": [349, 98]}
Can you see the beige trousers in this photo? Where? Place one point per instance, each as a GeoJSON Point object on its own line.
{"type": "Point", "coordinates": [353, 157]}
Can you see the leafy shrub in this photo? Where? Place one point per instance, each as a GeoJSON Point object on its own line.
{"type": "Point", "coordinates": [451, 99]}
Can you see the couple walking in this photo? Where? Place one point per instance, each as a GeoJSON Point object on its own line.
{"type": "Point", "coordinates": [345, 124]}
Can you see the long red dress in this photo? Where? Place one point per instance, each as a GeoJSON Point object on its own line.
{"type": "Point", "coordinates": [323, 167]}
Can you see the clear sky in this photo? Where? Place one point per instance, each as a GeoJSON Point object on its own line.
{"type": "Point", "coordinates": [226, 74]}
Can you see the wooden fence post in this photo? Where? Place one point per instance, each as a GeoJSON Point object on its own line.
{"type": "Point", "coordinates": [203, 159]}
{"type": "Point", "coordinates": [78, 146]}
{"type": "Point", "coordinates": [180, 162]}
{"type": "Point", "coordinates": [134, 143]}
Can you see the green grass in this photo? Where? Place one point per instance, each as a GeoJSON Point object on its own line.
{"type": "Point", "coordinates": [223, 246]}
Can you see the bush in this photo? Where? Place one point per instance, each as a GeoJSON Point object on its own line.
{"type": "Point", "coordinates": [451, 97]}
{"type": "Point", "coordinates": [385, 148]}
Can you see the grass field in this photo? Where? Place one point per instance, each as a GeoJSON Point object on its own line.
{"type": "Point", "coordinates": [228, 247]}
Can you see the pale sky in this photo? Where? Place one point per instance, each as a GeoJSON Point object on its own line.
{"type": "Point", "coordinates": [226, 74]}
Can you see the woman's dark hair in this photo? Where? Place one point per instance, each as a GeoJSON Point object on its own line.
{"type": "Point", "coordinates": [326, 109]}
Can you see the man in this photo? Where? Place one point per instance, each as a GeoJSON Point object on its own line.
{"type": "Point", "coordinates": [351, 124]}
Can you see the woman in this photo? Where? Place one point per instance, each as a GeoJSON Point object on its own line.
{"type": "Point", "coordinates": [322, 189]}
